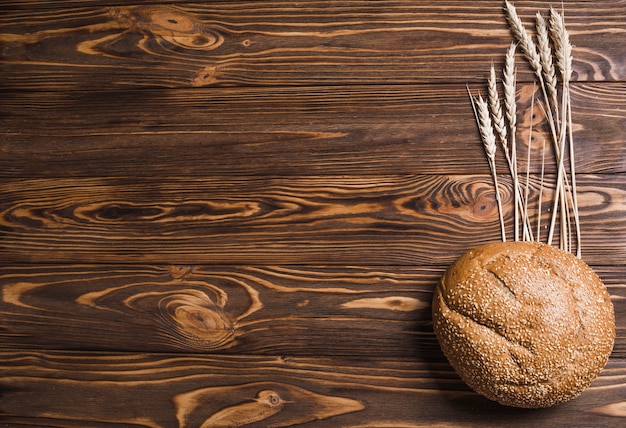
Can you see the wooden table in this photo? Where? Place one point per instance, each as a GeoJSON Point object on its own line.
{"type": "Point", "coordinates": [239, 210]}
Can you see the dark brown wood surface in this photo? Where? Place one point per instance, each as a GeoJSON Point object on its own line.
{"type": "Point", "coordinates": [236, 212]}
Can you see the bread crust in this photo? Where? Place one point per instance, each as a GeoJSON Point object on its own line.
{"type": "Point", "coordinates": [524, 323]}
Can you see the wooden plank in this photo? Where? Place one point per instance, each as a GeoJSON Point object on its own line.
{"type": "Point", "coordinates": [377, 220]}
{"type": "Point", "coordinates": [294, 310]}
{"type": "Point", "coordinates": [97, 390]}
{"type": "Point", "coordinates": [241, 310]}
{"type": "Point", "coordinates": [125, 45]}
{"type": "Point", "coordinates": [420, 129]}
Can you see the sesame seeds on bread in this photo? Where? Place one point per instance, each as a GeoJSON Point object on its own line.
{"type": "Point", "coordinates": [523, 323]}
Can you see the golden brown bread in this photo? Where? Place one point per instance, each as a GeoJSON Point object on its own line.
{"type": "Point", "coordinates": [523, 323]}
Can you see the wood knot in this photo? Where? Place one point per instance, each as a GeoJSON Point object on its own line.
{"type": "Point", "coordinates": [198, 320]}
{"type": "Point", "coordinates": [180, 272]}
{"type": "Point", "coordinates": [168, 24]}
{"type": "Point", "coordinates": [172, 20]}
{"type": "Point", "coordinates": [205, 76]}
{"type": "Point", "coordinates": [189, 317]}
{"type": "Point", "coordinates": [484, 206]}
{"type": "Point", "coordinates": [257, 402]}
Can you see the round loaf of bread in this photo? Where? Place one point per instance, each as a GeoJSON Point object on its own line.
{"type": "Point", "coordinates": [523, 323]}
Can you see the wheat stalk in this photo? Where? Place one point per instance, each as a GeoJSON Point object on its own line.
{"type": "Point", "coordinates": [510, 106]}
{"type": "Point", "coordinates": [500, 126]}
{"type": "Point", "coordinates": [485, 127]}
{"type": "Point", "coordinates": [543, 164]}
{"type": "Point", "coordinates": [564, 57]}
{"type": "Point", "coordinates": [491, 115]}
{"type": "Point", "coordinates": [527, 232]}
{"type": "Point", "coordinates": [563, 54]}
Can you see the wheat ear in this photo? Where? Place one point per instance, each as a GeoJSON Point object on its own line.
{"type": "Point", "coordinates": [526, 42]}
{"type": "Point", "coordinates": [545, 53]}
{"type": "Point", "coordinates": [563, 47]}
{"type": "Point", "coordinates": [496, 109]}
{"type": "Point", "coordinates": [508, 82]}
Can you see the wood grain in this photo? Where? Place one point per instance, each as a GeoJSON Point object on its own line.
{"type": "Point", "coordinates": [186, 391]}
{"type": "Point", "coordinates": [323, 130]}
{"type": "Point", "coordinates": [238, 310]}
{"type": "Point", "coordinates": [277, 44]}
{"type": "Point", "coordinates": [234, 213]}
{"type": "Point", "coordinates": [272, 310]}
{"type": "Point", "coordinates": [379, 220]}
